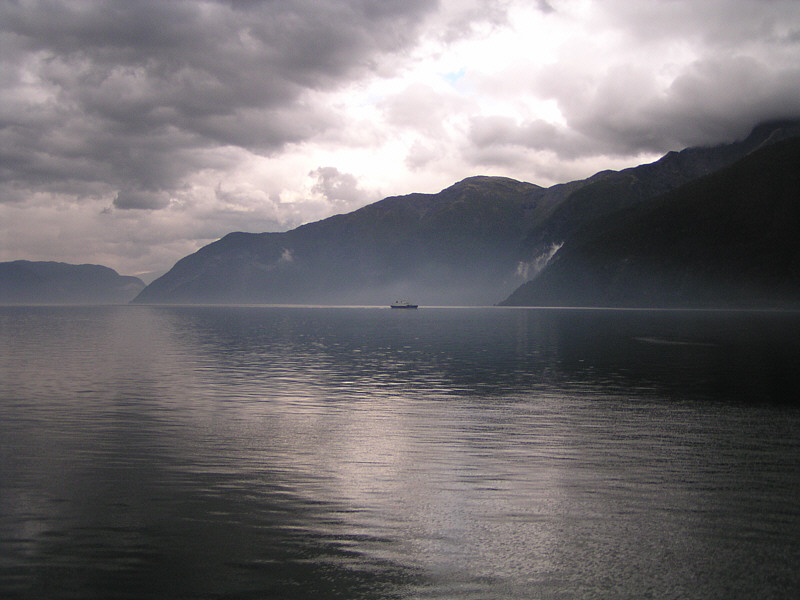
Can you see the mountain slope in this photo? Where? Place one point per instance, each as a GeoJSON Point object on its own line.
{"type": "Point", "coordinates": [457, 246]}
{"type": "Point", "coordinates": [730, 239]}
{"type": "Point", "coordinates": [27, 282]}
{"type": "Point", "coordinates": [472, 243]}
{"type": "Point", "coordinates": [610, 191]}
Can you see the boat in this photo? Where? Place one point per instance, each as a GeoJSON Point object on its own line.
{"type": "Point", "coordinates": [403, 304]}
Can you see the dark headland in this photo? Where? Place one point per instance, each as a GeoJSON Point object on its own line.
{"type": "Point", "coordinates": [31, 282]}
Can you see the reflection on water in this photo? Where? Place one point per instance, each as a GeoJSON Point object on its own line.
{"type": "Point", "coordinates": [256, 452]}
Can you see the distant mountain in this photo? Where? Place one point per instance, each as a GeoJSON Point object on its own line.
{"type": "Point", "coordinates": [27, 282]}
{"type": "Point", "coordinates": [729, 239]}
{"type": "Point", "coordinates": [472, 243]}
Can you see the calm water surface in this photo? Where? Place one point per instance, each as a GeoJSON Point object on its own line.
{"type": "Point", "coordinates": [268, 452]}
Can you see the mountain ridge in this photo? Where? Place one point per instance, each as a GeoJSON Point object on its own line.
{"type": "Point", "coordinates": [51, 282]}
{"type": "Point", "coordinates": [726, 240]}
{"type": "Point", "coordinates": [609, 191]}
{"type": "Point", "coordinates": [472, 243]}
{"type": "Point", "coordinates": [394, 247]}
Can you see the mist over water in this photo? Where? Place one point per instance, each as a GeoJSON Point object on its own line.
{"type": "Point", "coordinates": [270, 452]}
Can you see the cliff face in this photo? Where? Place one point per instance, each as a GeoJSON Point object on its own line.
{"type": "Point", "coordinates": [27, 282]}
{"type": "Point", "coordinates": [730, 239]}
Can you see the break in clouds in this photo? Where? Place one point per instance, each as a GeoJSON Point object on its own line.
{"type": "Point", "coordinates": [131, 133]}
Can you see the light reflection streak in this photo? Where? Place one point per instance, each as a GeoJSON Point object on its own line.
{"type": "Point", "coordinates": [540, 466]}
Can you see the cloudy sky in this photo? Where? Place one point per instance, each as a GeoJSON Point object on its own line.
{"type": "Point", "coordinates": [132, 132]}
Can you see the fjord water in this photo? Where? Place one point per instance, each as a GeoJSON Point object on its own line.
{"type": "Point", "coordinates": [289, 452]}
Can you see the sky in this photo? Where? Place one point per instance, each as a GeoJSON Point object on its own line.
{"type": "Point", "coordinates": [133, 132]}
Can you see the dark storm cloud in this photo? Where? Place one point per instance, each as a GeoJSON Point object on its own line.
{"type": "Point", "coordinates": [671, 74]}
{"type": "Point", "coordinates": [141, 199]}
{"type": "Point", "coordinates": [341, 190]}
{"type": "Point", "coordinates": [723, 24]}
{"type": "Point", "coordinates": [711, 101]}
{"type": "Point", "coordinates": [500, 131]}
{"type": "Point", "coordinates": [545, 6]}
{"type": "Point", "coordinates": [745, 71]}
{"type": "Point", "coordinates": [114, 95]}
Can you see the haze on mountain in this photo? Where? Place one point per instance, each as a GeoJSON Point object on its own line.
{"type": "Point", "coordinates": [471, 244]}
{"type": "Point", "coordinates": [28, 282]}
{"type": "Point", "coordinates": [730, 239]}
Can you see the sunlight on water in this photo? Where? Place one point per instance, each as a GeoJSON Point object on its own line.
{"type": "Point", "coordinates": [178, 452]}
